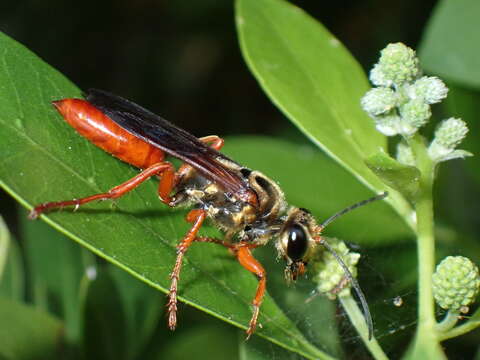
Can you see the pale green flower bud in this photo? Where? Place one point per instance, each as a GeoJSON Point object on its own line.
{"type": "Point", "coordinates": [398, 64]}
{"type": "Point", "coordinates": [414, 114]}
{"type": "Point", "coordinates": [451, 132]}
{"type": "Point", "coordinates": [405, 154]}
{"type": "Point", "coordinates": [378, 101]}
{"type": "Point", "coordinates": [448, 135]}
{"type": "Point", "coordinates": [431, 89]}
{"type": "Point", "coordinates": [329, 275]}
{"type": "Point", "coordinates": [388, 124]}
{"type": "Point", "coordinates": [378, 78]}
{"type": "Point", "coordinates": [456, 283]}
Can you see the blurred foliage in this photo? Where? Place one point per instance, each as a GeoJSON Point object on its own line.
{"type": "Point", "coordinates": [182, 60]}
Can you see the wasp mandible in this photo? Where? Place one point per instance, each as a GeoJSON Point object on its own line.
{"type": "Point", "coordinates": [248, 207]}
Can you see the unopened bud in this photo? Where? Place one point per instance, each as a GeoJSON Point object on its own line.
{"type": "Point", "coordinates": [456, 283]}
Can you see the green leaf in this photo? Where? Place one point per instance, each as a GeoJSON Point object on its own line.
{"type": "Point", "coordinates": [27, 333]}
{"type": "Point", "coordinates": [464, 102]}
{"type": "Point", "coordinates": [401, 177]}
{"type": "Point", "coordinates": [259, 349]}
{"type": "Point", "coordinates": [4, 245]}
{"type": "Point", "coordinates": [209, 341]}
{"type": "Point", "coordinates": [448, 46]}
{"type": "Point", "coordinates": [105, 333]}
{"type": "Point", "coordinates": [43, 159]}
{"type": "Point", "coordinates": [142, 307]}
{"type": "Point", "coordinates": [55, 287]}
{"type": "Point", "coordinates": [12, 282]}
{"type": "Point", "coordinates": [315, 82]}
{"type": "Point", "coordinates": [12, 279]}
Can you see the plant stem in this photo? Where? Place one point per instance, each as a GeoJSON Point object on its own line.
{"type": "Point", "coordinates": [358, 320]}
{"type": "Point", "coordinates": [460, 330]}
{"type": "Point", "coordinates": [448, 322]}
{"type": "Point", "coordinates": [426, 340]}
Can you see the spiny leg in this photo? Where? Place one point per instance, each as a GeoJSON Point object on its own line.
{"type": "Point", "coordinates": [117, 191]}
{"type": "Point", "coordinates": [196, 217]}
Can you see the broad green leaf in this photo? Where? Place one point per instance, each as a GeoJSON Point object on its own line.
{"type": "Point", "coordinates": [105, 331]}
{"type": "Point", "coordinates": [259, 349]}
{"type": "Point", "coordinates": [4, 245]}
{"type": "Point", "coordinates": [55, 286]}
{"type": "Point", "coordinates": [27, 333]}
{"type": "Point", "coordinates": [449, 45]}
{"type": "Point", "coordinates": [12, 279]}
{"type": "Point", "coordinates": [403, 178]}
{"type": "Point", "coordinates": [208, 341]}
{"type": "Point", "coordinates": [315, 82]}
{"type": "Point", "coordinates": [142, 307]}
{"type": "Point", "coordinates": [12, 282]}
{"type": "Point", "coordinates": [463, 103]}
{"type": "Point", "coordinates": [44, 159]}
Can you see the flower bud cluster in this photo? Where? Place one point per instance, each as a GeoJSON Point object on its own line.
{"type": "Point", "coordinates": [400, 104]}
{"type": "Point", "coordinates": [456, 283]}
{"type": "Point", "coordinates": [328, 273]}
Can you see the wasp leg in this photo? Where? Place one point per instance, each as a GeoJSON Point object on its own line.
{"type": "Point", "coordinates": [120, 190]}
{"type": "Point", "coordinates": [196, 217]}
{"type": "Point", "coordinates": [216, 142]}
{"type": "Point", "coordinates": [246, 259]}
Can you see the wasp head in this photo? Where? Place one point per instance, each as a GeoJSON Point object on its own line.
{"type": "Point", "coordinates": [298, 237]}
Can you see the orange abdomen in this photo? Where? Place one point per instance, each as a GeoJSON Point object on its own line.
{"type": "Point", "coordinates": [102, 131]}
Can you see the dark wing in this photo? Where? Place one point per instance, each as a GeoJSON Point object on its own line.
{"type": "Point", "coordinates": [170, 138]}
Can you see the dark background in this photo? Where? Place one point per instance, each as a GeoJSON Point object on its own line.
{"type": "Point", "coordinates": [181, 59]}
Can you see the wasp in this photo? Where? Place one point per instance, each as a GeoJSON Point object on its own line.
{"type": "Point", "coordinates": [247, 206]}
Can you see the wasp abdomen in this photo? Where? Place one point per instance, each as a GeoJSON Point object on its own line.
{"type": "Point", "coordinates": [99, 129]}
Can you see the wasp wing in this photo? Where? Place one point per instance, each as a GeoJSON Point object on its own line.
{"type": "Point", "coordinates": [170, 138]}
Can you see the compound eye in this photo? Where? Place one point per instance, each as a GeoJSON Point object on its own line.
{"type": "Point", "coordinates": [297, 242]}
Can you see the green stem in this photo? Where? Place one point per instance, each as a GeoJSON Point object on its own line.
{"type": "Point", "coordinates": [448, 322]}
{"type": "Point", "coordinates": [460, 330]}
{"type": "Point", "coordinates": [426, 339]}
{"type": "Point", "coordinates": [358, 320]}
{"type": "Point", "coordinates": [426, 241]}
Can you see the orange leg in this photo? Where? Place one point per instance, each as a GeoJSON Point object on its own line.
{"type": "Point", "coordinates": [246, 259]}
{"type": "Point", "coordinates": [167, 183]}
{"type": "Point", "coordinates": [165, 187]}
{"type": "Point", "coordinates": [215, 143]}
{"type": "Point", "coordinates": [196, 217]}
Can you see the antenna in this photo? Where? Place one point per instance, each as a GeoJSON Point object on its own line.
{"type": "Point", "coordinates": [355, 285]}
{"type": "Point", "coordinates": [354, 206]}
{"type": "Point", "coordinates": [348, 274]}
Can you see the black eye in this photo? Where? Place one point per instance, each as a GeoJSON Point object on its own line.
{"type": "Point", "coordinates": [297, 242]}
